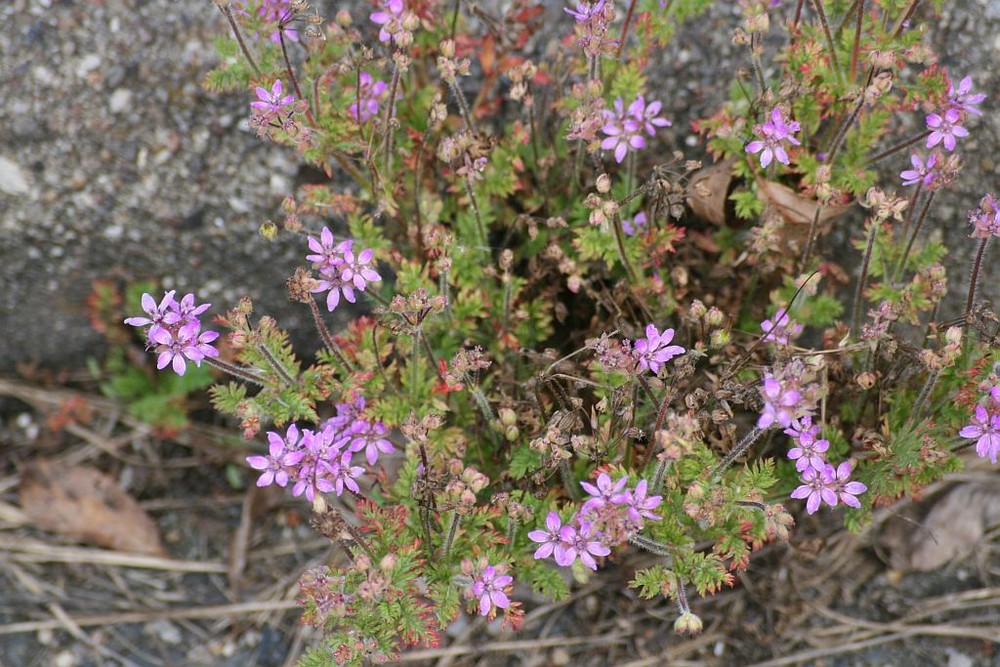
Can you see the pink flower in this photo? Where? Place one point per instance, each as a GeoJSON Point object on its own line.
{"type": "Point", "coordinates": [945, 128]}
{"type": "Point", "coordinates": [489, 588]}
{"type": "Point", "coordinates": [781, 329]}
{"type": "Point", "coordinates": [187, 342]}
{"type": "Point", "coordinates": [817, 486]}
{"type": "Point", "coordinates": [655, 350]}
{"type": "Point", "coordinates": [605, 492]}
{"type": "Point", "coordinates": [640, 505]}
{"type": "Point", "coordinates": [845, 489]}
{"type": "Point", "coordinates": [581, 544]}
{"type": "Point", "coordinates": [922, 172]}
{"type": "Point", "coordinates": [985, 428]}
{"type": "Point", "coordinates": [961, 98]}
{"type": "Point", "coordinates": [271, 101]}
{"type": "Point", "coordinates": [282, 457]}
{"type": "Point", "coordinates": [550, 541]}
{"type": "Point", "coordinates": [779, 404]}
{"type": "Point", "coordinates": [773, 135]}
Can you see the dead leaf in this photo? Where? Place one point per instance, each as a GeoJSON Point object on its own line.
{"type": "Point", "coordinates": [954, 524]}
{"type": "Point", "coordinates": [87, 505]}
{"type": "Point", "coordinates": [708, 191]}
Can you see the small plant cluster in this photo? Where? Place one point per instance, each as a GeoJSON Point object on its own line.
{"type": "Point", "coordinates": [568, 352]}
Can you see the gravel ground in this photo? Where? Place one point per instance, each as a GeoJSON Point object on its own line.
{"type": "Point", "coordinates": [115, 164]}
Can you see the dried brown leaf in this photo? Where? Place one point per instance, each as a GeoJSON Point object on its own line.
{"type": "Point", "coordinates": [954, 524]}
{"type": "Point", "coordinates": [708, 192]}
{"type": "Point", "coordinates": [85, 504]}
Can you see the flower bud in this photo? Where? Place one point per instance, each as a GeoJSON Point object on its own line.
{"type": "Point", "coordinates": [687, 623]}
{"type": "Point", "coordinates": [714, 317]}
{"type": "Point", "coordinates": [719, 338]}
{"type": "Point", "coordinates": [387, 563]}
{"type": "Point", "coordinates": [604, 184]}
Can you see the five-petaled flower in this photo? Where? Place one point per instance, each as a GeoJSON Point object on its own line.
{"type": "Point", "coordinates": [945, 128]}
{"type": "Point", "coordinates": [271, 101]}
{"type": "Point", "coordinates": [655, 350]}
{"type": "Point", "coordinates": [780, 403]}
{"type": "Point", "coordinates": [773, 135]}
{"type": "Point", "coordinates": [281, 458]}
{"type": "Point", "coordinates": [175, 331]}
{"type": "Point", "coordinates": [922, 172]}
{"type": "Point", "coordinates": [781, 329]}
{"type": "Point", "coordinates": [341, 271]}
{"type": "Point", "coordinates": [624, 126]}
{"type": "Point", "coordinates": [984, 427]}
{"type": "Point", "coordinates": [550, 541]}
{"type": "Point", "coordinates": [962, 97]}
{"type": "Point", "coordinates": [489, 587]}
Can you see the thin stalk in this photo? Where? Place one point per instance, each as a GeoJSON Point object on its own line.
{"type": "Point", "coordinates": [566, 474]}
{"type": "Point", "coordinates": [863, 278]}
{"type": "Point", "coordinates": [818, 6]}
{"type": "Point", "coordinates": [918, 407]}
{"type": "Point", "coordinates": [361, 541]}
{"type": "Point", "coordinates": [860, 6]}
{"type": "Point", "coordinates": [741, 447]}
{"type": "Point", "coordinates": [756, 66]}
{"type": "Point", "coordinates": [913, 236]}
{"type": "Point", "coordinates": [463, 106]}
{"type": "Point", "coordinates": [291, 74]}
{"type": "Point", "coordinates": [279, 368]}
{"type": "Point", "coordinates": [976, 266]}
{"type": "Point", "coordinates": [838, 140]}
{"type": "Point", "coordinates": [650, 545]}
{"type": "Point", "coordinates": [480, 227]}
{"type": "Point", "coordinates": [892, 150]}
{"type": "Point", "coordinates": [753, 504]}
{"type": "Point", "coordinates": [238, 372]}
{"type": "Point", "coordinates": [911, 208]}
{"type": "Point", "coordinates": [657, 481]}
{"type": "Point", "coordinates": [810, 239]}
{"type": "Point", "coordinates": [511, 526]}
{"type": "Point", "coordinates": [798, 14]}
{"type": "Point", "coordinates": [682, 600]}
{"type": "Point", "coordinates": [452, 531]}
{"type": "Point", "coordinates": [227, 10]}
{"type": "Point", "coordinates": [616, 224]}
{"type": "Point", "coordinates": [625, 27]}
{"type": "Point", "coordinates": [328, 339]}
{"type": "Point", "coordinates": [415, 367]}
{"type": "Point", "coordinates": [390, 110]}
{"type": "Point", "coordinates": [903, 18]}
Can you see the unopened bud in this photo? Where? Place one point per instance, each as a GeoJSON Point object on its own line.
{"type": "Point", "coordinates": [604, 184]}
{"type": "Point", "coordinates": [714, 317]}
{"type": "Point", "coordinates": [687, 623]}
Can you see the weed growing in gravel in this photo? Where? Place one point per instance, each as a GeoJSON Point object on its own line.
{"type": "Point", "coordinates": [570, 349]}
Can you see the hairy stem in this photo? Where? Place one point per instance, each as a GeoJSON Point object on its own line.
{"type": "Point", "coordinates": [974, 280]}
{"type": "Point", "coordinates": [239, 372]}
{"type": "Point", "coordinates": [863, 278]}
{"type": "Point", "coordinates": [291, 74]}
{"type": "Point", "coordinates": [741, 447]}
{"type": "Point", "coordinates": [228, 11]}
{"type": "Point", "coordinates": [452, 532]}
{"type": "Point", "coordinates": [328, 339]}
{"type": "Point", "coordinates": [895, 148]}
{"type": "Point", "coordinates": [913, 235]}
